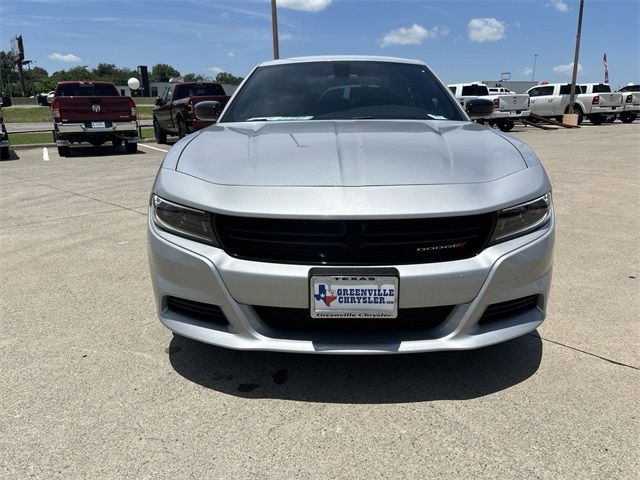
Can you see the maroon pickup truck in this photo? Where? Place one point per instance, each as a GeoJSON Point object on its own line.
{"type": "Point", "coordinates": [93, 112]}
{"type": "Point", "coordinates": [174, 114]}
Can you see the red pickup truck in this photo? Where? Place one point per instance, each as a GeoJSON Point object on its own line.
{"type": "Point", "coordinates": [174, 114]}
{"type": "Point", "coordinates": [93, 112]}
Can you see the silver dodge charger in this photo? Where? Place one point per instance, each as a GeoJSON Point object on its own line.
{"type": "Point", "coordinates": [349, 205]}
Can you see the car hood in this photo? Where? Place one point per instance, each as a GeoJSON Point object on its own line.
{"type": "Point", "coordinates": [349, 153]}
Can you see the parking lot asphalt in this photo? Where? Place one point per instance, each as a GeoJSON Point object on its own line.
{"type": "Point", "coordinates": [94, 387]}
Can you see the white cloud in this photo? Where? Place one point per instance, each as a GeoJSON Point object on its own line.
{"type": "Point", "coordinates": [215, 69]}
{"type": "Point", "coordinates": [483, 30]}
{"type": "Point", "coordinates": [231, 55]}
{"type": "Point", "coordinates": [525, 71]}
{"type": "Point", "coordinates": [285, 36]}
{"type": "Point", "coordinates": [305, 5]}
{"type": "Point", "coordinates": [566, 69]}
{"type": "Point", "coordinates": [413, 35]}
{"type": "Point", "coordinates": [559, 5]}
{"type": "Point", "coordinates": [68, 58]}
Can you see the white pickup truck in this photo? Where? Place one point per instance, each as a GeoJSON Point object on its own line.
{"type": "Point", "coordinates": [593, 100]}
{"type": "Point", "coordinates": [630, 103]}
{"type": "Point", "coordinates": [507, 107]}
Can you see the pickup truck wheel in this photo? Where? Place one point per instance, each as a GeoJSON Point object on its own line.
{"type": "Point", "coordinates": [627, 117]}
{"type": "Point", "coordinates": [506, 125]}
{"type": "Point", "coordinates": [4, 153]}
{"type": "Point", "coordinates": [182, 129]}
{"type": "Point", "coordinates": [161, 135]}
{"type": "Point", "coordinates": [64, 151]}
{"type": "Point", "coordinates": [131, 147]}
{"type": "Point", "coordinates": [595, 119]}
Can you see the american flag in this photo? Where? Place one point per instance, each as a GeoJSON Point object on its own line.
{"type": "Point", "coordinates": [606, 68]}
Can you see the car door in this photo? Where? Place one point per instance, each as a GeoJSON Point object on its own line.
{"type": "Point", "coordinates": [163, 111]}
{"type": "Point", "coordinates": [544, 99]}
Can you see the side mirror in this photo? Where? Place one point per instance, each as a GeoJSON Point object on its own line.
{"type": "Point", "coordinates": [479, 108]}
{"type": "Point", "coordinates": [208, 111]}
{"type": "Point", "coordinates": [158, 101]}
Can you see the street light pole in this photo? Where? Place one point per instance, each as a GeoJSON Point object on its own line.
{"type": "Point", "coordinates": [274, 26]}
{"type": "Point", "coordinates": [535, 60]}
{"type": "Point", "coordinates": [576, 59]}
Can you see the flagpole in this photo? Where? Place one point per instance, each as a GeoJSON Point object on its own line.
{"type": "Point", "coordinates": [274, 26]}
{"type": "Point", "coordinates": [576, 59]}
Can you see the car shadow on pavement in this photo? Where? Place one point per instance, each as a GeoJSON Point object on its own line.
{"type": "Point", "coordinates": [456, 375]}
{"type": "Point", "coordinates": [102, 151]}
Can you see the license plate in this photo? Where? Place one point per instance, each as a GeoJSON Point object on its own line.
{"type": "Point", "coordinates": [514, 113]}
{"type": "Point", "coordinates": [353, 296]}
{"type": "Point", "coordinates": [98, 125]}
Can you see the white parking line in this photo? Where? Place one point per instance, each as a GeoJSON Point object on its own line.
{"type": "Point", "coordinates": [152, 148]}
{"type": "Point", "coordinates": [45, 154]}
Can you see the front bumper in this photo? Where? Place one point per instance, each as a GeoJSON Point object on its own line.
{"type": "Point", "coordinates": [511, 270]}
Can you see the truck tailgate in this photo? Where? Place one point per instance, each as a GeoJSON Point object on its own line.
{"type": "Point", "coordinates": [85, 109]}
{"type": "Point", "coordinates": [513, 102]}
{"type": "Point", "coordinates": [606, 99]}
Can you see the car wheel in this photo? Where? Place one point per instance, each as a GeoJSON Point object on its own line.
{"type": "Point", "coordinates": [627, 117]}
{"type": "Point", "coordinates": [506, 125]}
{"type": "Point", "coordinates": [4, 153]}
{"type": "Point", "coordinates": [182, 129]}
{"type": "Point", "coordinates": [161, 135]}
{"type": "Point", "coordinates": [64, 151]}
{"type": "Point", "coordinates": [131, 147]}
{"type": "Point", "coordinates": [595, 119]}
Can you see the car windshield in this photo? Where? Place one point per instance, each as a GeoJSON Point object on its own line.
{"type": "Point", "coordinates": [342, 90]}
{"type": "Point", "coordinates": [87, 90]}
{"type": "Point", "coordinates": [195, 90]}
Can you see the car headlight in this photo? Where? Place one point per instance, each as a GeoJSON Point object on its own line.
{"type": "Point", "coordinates": [522, 219]}
{"type": "Point", "coordinates": [183, 221]}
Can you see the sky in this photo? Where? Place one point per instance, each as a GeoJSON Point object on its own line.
{"type": "Point", "coordinates": [461, 40]}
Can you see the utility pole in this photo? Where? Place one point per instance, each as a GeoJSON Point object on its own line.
{"type": "Point", "coordinates": [535, 60]}
{"type": "Point", "coordinates": [274, 25]}
{"type": "Point", "coordinates": [576, 59]}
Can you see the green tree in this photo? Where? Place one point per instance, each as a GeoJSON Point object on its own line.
{"type": "Point", "coordinates": [228, 78]}
{"type": "Point", "coordinates": [161, 72]}
{"type": "Point", "coordinates": [193, 77]}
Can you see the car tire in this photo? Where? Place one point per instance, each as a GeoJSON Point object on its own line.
{"type": "Point", "coordinates": [506, 125]}
{"type": "Point", "coordinates": [182, 129]}
{"type": "Point", "coordinates": [64, 151]}
{"type": "Point", "coordinates": [627, 117]}
{"type": "Point", "coordinates": [161, 135]}
{"type": "Point", "coordinates": [116, 144]}
{"type": "Point", "coordinates": [131, 147]}
{"type": "Point", "coordinates": [4, 153]}
{"type": "Point", "coordinates": [596, 119]}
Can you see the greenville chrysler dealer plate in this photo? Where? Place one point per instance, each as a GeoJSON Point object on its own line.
{"type": "Point", "coordinates": [98, 125]}
{"type": "Point", "coordinates": [354, 296]}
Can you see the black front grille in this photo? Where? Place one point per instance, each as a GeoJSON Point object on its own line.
{"type": "Point", "coordinates": [203, 312]}
{"type": "Point", "coordinates": [354, 242]}
{"type": "Point", "coordinates": [299, 320]}
{"type": "Point", "coordinates": [499, 311]}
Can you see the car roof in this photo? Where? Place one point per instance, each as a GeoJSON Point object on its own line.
{"type": "Point", "coordinates": [66, 82]}
{"type": "Point", "coordinates": [330, 58]}
{"type": "Point", "coordinates": [203, 82]}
